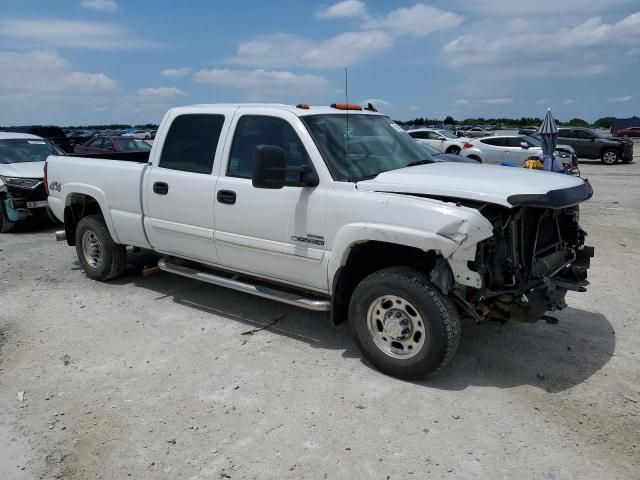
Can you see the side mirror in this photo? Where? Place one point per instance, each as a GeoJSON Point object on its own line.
{"type": "Point", "coordinates": [269, 167]}
{"type": "Point", "coordinates": [524, 145]}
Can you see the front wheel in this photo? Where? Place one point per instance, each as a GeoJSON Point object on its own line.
{"type": "Point", "coordinates": [6, 226]}
{"type": "Point", "coordinates": [101, 258]}
{"type": "Point", "coordinates": [609, 157]}
{"type": "Point", "coordinates": [402, 324]}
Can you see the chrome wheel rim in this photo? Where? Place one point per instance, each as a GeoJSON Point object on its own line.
{"type": "Point", "coordinates": [610, 157]}
{"type": "Point", "coordinates": [92, 249]}
{"type": "Point", "coordinates": [455, 151]}
{"type": "Point", "coordinates": [396, 327]}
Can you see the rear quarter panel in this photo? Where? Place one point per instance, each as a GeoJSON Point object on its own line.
{"type": "Point", "coordinates": [115, 185]}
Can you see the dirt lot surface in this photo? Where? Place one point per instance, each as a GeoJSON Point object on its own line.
{"type": "Point", "coordinates": [152, 377]}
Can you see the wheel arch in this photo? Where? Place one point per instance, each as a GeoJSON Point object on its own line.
{"type": "Point", "coordinates": [367, 257]}
{"type": "Point", "coordinates": [80, 204]}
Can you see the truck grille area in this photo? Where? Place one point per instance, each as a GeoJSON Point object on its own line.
{"type": "Point", "coordinates": [529, 244]}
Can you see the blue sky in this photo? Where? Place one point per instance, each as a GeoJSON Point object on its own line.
{"type": "Point", "coordinates": [101, 61]}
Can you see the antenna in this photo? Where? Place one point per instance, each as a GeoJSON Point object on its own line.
{"type": "Point", "coordinates": [346, 97]}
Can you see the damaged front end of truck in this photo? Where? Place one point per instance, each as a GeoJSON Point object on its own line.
{"type": "Point", "coordinates": [536, 255]}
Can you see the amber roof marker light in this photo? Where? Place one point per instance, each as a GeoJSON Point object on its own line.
{"type": "Point", "coordinates": [346, 106]}
{"type": "Point", "coordinates": [303, 106]}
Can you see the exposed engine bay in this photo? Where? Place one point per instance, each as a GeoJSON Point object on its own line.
{"type": "Point", "coordinates": [534, 257]}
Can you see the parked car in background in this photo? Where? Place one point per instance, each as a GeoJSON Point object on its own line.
{"type": "Point", "coordinates": [50, 132]}
{"type": "Point", "coordinates": [590, 143]}
{"type": "Point", "coordinates": [629, 132]}
{"type": "Point", "coordinates": [506, 148]}
{"type": "Point", "coordinates": [437, 156]}
{"type": "Point", "coordinates": [528, 130]}
{"type": "Point", "coordinates": [106, 144]}
{"type": "Point", "coordinates": [444, 140]}
{"type": "Point", "coordinates": [22, 190]}
{"type": "Point", "coordinates": [142, 134]}
{"type": "Point", "coordinates": [477, 132]}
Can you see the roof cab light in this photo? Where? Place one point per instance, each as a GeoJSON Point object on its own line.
{"type": "Point", "coordinates": [303, 106]}
{"type": "Point", "coordinates": [467, 145]}
{"type": "Point", "coordinates": [346, 106]}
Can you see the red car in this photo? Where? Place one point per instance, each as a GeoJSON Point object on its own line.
{"type": "Point", "coordinates": [103, 144]}
{"type": "Point", "coordinates": [629, 132]}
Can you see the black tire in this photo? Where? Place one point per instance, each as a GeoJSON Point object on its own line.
{"type": "Point", "coordinates": [5, 225]}
{"type": "Point", "coordinates": [453, 150]}
{"type": "Point", "coordinates": [609, 156]}
{"type": "Point", "coordinates": [112, 256]}
{"type": "Point", "coordinates": [438, 314]}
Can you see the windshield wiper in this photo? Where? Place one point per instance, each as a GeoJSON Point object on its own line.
{"type": "Point", "coordinates": [419, 162]}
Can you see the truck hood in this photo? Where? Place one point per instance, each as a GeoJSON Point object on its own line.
{"type": "Point", "coordinates": [508, 186]}
{"type": "Point", "coordinates": [23, 170]}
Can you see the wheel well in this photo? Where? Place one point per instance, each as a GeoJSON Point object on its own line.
{"type": "Point", "coordinates": [475, 157]}
{"type": "Point", "coordinates": [615, 149]}
{"type": "Point", "coordinates": [366, 258]}
{"type": "Point", "coordinates": [78, 206]}
{"type": "Point", "coordinates": [452, 148]}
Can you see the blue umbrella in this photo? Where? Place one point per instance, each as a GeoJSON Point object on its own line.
{"type": "Point", "coordinates": [549, 135]}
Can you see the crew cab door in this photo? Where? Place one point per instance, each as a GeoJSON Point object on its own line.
{"type": "Point", "coordinates": [273, 233]}
{"type": "Point", "coordinates": [180, 187]}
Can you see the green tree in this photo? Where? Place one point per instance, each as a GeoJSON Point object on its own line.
{"type": "Point", "coordinates": [449, 120]}
{"type": "Point", "coordinates": [604, 122]}
{"type": "Point", "coordinates": [578, 122]}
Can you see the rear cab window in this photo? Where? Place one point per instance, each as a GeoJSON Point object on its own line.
{"type": "Point", "coordinates": [191, 142]}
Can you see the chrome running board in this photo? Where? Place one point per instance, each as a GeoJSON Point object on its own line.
{"type": "Point", "coordinates": [167, 265]}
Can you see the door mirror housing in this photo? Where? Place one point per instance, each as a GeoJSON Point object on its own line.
{"type": "Point", "coordinates": [524, 145]}
{"type": "Point", "coordinates": [269, 167]}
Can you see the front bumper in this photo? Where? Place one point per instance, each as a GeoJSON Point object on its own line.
{"type": "Point", "coordinates": [627, 152]}
{"type": "Point", "coordinates": [20, 203]}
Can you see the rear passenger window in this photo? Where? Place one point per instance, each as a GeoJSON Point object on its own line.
{"type": "Point", "coordinates": [191, 143]}
{"type": "Point", "coordinates": [564, 133]}
{"type": "Point", "coordinates": [496, 142]}
{"type": "Point", "coordinates": [252, 131]}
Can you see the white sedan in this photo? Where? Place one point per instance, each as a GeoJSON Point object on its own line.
{"type": "Point", "coordinates": [141, 134]}
{"type": "Point", "coordinates": [444, 140]}
{"type": "Point", "coordinates": [502, 148]}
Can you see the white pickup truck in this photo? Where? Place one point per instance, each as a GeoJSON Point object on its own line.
{"type": "Point", "coordinates": [333, 209]}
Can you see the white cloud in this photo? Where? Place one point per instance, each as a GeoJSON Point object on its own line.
{"type": "Point", "coordinates": [263, 84]}
{"type": "Point", "coordinates": [542, 101]}
{"type": "Point", "coordinates": [414, 108]}
{"type": "Point", "coordinates": [419, 20]}
{"type": "Point", "coordinates": [40, 72]}
{"type": "Point", "coordinates": [163, 92]}
{"type": "Point", "coordinates": [344, 9]}
{"type": "Point", "coordinates": [51, 33]}
{"type": "Point", "coordinates": [569, 101]}
{"type": "Point", "coordinates": [102, 5]}
{"type": "Point", "coordinates": [462, 101]}
{"type": "Point", "coordinates": [498, 101]}
{"type": "Point", "coordinates": [346, 49]}
{"type": "Point", "coordinates": [280, 50]}
{"type": "Point", "coordinates": [376, 102]}
{"type": "Point", "coordinates": [628, 98]}
{"type": "Point", "coordinates": [176, 72]}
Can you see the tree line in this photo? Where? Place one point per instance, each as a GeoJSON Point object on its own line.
{"type": "Point", "coordinates": [603, 122]}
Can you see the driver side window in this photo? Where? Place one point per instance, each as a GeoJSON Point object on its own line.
{"type": "Point", "coordinates": [254, 130]}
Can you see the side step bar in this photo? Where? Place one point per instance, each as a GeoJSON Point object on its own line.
{"type": "Point", "coordinates": [167, 265]}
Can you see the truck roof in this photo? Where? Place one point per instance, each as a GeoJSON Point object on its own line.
{"type": "Point", "coordinates": [299, 111]}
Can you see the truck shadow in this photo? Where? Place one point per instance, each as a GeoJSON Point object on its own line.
{"type": "Point", "coordinates": [551, 357]}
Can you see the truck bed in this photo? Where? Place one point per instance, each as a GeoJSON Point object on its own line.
{"type": "Point", "coordinates": [139, 157]}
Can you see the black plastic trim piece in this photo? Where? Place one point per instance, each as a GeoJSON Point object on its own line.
{"type": "Point", "coordinates": [554, 198]}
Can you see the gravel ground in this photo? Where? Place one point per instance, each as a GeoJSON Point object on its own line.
{"type": "Point", "coordinates": [152, 377]}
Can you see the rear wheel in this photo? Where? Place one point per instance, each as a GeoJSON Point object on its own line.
{"type": "Point", "coordinates": [5, 225]}
{"type": "Point", "coordinates": [402, 324]}
{"type": "Point", "coordinates": [453, 150]}
{"type": "Point", "coordinates": [609, 157]}
{"type": "Point", "coordinates": [101, 258]}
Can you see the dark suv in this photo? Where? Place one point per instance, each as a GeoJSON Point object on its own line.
{"type": "Point", "coordinates": [590, 144]}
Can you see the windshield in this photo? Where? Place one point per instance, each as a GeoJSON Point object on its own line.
{"type": "Point", "coordinates": [370, 145]}
{"type": "Point", "coordinates": [132, 144]}
{"type": "Point", "coordinates": [431, 150]}
{"type": "Point", "coordinates": [448, 134]}
{"type": "Point", "coordinates": [21, 150]}
{"type": "Point", "coordinates": [533, 142]}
